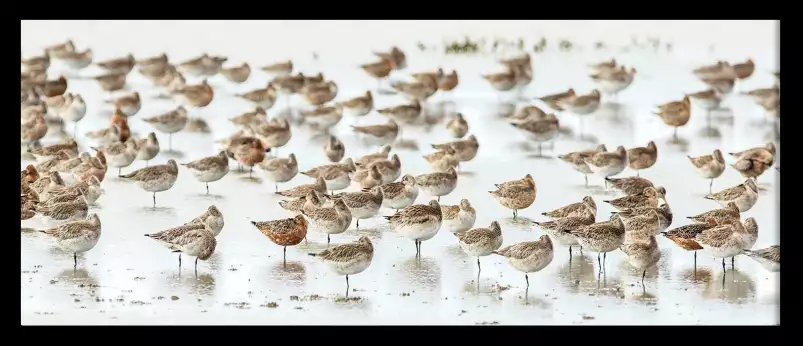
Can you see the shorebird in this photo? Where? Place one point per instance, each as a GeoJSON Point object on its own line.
{"type": "Point", "coordinates": [648, 198]}
{"type": "Point", "coordinates": [389, 169]}
{"type": "Point", "coordinates": [280, 170]}
{"type": "Point", "coordinates": [336, 176]}
{"type": "Point", "coordinates": [192, 239]}
{"type": "Point", "coordinates": [722, 85]}
{"type": "Point", "coordinates": [295, 205]}
{"type": "Point", "coordinates": [721, 68]}
{"type": "Point", "coordinates": [120, 155]}
{"type": "Point", "coordinates": [73, 110]}
{"type": "Point", "coordinates": [459, 218]}
{"type": "Point", "coordinates": [53, 88]}
{"type": "Point", "coordinates": [147, 148]}
{"type": "Point", "coordinates": [34, 130]}
{"type": "Point", "coordinates": [630, 185]}
{"type": "Point", "coordinates": [274, 134]}
{"type": "Point", "coordinates": [602, 66]}
{"type": "Point", "coordinates": [642, 255]}
{"type": "Point", "coordinates": [237, 74]}
{"type": "Point", "coordinates": [419, 222]}
{"type": "Point", "coordinates": [156, 178]}
{"type": "Point", "coordinates": [405, 114]}
{"type": "Point", "coordinates": [77, 236]}
{"type": "Point", "coordinates": [465, 149]}
{"type": "Point", "coordinates": [364, 204]}
{"type": "Point", "coordinates": [517, 194]}
{"type": "Point", "coordinates": [379, 70]}
{"type": "Point", "coordinates": [685, 236]}
{"type": "Point", "coordinates": [255, 117]}
{"type": "Point", "coordinates": [264, 97]}
{"type": "Point", "coordinates": [581, 105]}
{"type": "Point", "coordinates": [577, 160]}
{"type": "Point", "coordinates": [302, 190]}
{"type": "Point", "coordinates": [708, 100]}
{"type": "Point", "coordinates": [457, 126]}
{"type": "Point", "coordinates": [46, 153]}
{"type": "Point", "coordinates": [745, 195]}
{"type": "Point", "coordinates": [348, 259]}
{"type": "Point", "coordinates": [197, 96]}
{"type": "Point", "coordinates": [367, 178]}
{"type": "Point", "coordinates": [586, 207]}
{"type": "Point", "coordinates": [65, 211]}
{"type": "Point", "coordinates": [284, 232]}
{"type": "Point", "coordinates": [730, 211]}
{"type": "Point", "coordinates": [250, 155]}
{"type": "Point", "coordinates": [744, 70]}
{"type": "Point", "coordinates": [437, 184]}
{"type": "Point", "coordinates": [360, 105]}
{"type": "Point", "coordinates": [750, 168]}
{"type": "Point", "coordinates": [329, 220]}
{"type": "Point", "coordinates": [675, 114]}
{"type": "Point", "coordinates": [539, 131]}
{"type": "Point", "coordinates": [726, 240]}
{"type": "Point", "coordinates": [613, 81]}
{"type": "Point", "coordinates": [111, 81]}
{"type": "Point", "coordinates": [642, 157]}
{"type": "Point", "coordinates": [334, 149]}
{"type": "Point", "coordinates": [395, 56]}
{"type": "Point", "coordinates": [601, 237]}
{"type": "Point", "coordinates": [383, 134]}
{"type": "Point", "coordinates": [605, 164]}
{"type": "Point", "coordinates": [529, 257]}
{"type": "Point", "coordinates": [558, 228]}
{"type": "Point", "coordinates": [769, 258]}
{"type": "Point", "coordinates": [480, 242]}
{"type": "Point", "coordinates": [122, 65]}
{"type": "Point", "coordinates": [209, 169]}
{"type": "Point", "coordinates": [401, 194]}
{"type": "Point", "coordinates": [280, 68]}
{"type": "Point", "coordinates": [553, 100]}
{"type": "Point", "coordinates": [442, 160]}
{"type": "Point", "coordinates": [366, 160]}
{"type": "Point", "coordinates": [170, 123]}
{"type": "Point", "coordinates": [765, 153]}
{"type": "Point", "coordinates": [709, 166]}
{"type": "Point", "coordinates": [318, 94]}
{"type": "Point", "coordinates": [128, 104]}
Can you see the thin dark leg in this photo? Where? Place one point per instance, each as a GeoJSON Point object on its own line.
{"type": "Point", "coordinates": [604, 258]}
{"type": "Point", "coordinates": [347, 286]}
{"type": "Point", "coordinates": [250, 171]}
{"type": "Point", "coordinates": [479, 268]}
{"type": "Point", "coordinates": [154, 199]}
{"type": "Point", "coordinates": [170, 142]}
{"type": "Point", "coordinates": [75, 260]}
{"type": "Point", "coordinates": [439, 198]}
{"type": "Point", "coordinates": [527, 279]}
{"type": "Point", "coordinates": [581, 250]}
{"type": "Point", "coordinates": [606, 184]}
{"type": "Point", "coordinates": [733, 262]}
{"type": "Point", "coordinates": [638, 173]}
{"type": "Point", "coordinates": [196, 266]}
{"type": "Point", "coordinates": [119, 171]}
{"type": "Point", "coordinates": [599, 262]}
{"type": "Point", "coordinates": [276, 186]}
{"type": "Point", "coordinates": [723, 265]}
{"type": "Point", "coordinates": [207, 188]}
{"type": "Point", "coordinates": [358, 223]}
{"type": "Point", "coordinates": [179, 261]}
{"type": "Point", "coordinates": [711, 186]}
{"type": "Point", "coordinates": [675, 135]}
{"type": "Point", "coordinates": [643, 275]}
{"type": "Point", "coordinates": [284, 262]}
{"type": "Point", "coordinates": [328, 240]}
{"type": "Point", "coordinates": [570, 252]}
{"type": "Point", "coordinates": [695, 265]}
{"type": "Point", "coordinates": [586, 176]}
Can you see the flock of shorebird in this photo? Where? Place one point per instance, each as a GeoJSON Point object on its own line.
{"type": "Point", "coordinates": [71, 181]}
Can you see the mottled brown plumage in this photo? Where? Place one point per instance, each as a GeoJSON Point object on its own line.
{"type": "Point", "coordinates": [630, 185]}
{"type": "Point", "coordinates": [586, 207]}
{"type": "Point", "coordinates": [284, 232]}
{"type": "Point", "coordinates": [299, 191]}
{"type": "Point", "coordinates": [731, 211]}
{"type": "Point", "coordinates": [648, 198]}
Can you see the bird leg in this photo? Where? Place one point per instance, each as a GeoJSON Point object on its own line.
{"type": "Point", "coordinates": [733, 262]}
{"type": "Point", "coordinates": [169, 142]}
{"type": "Point", "coordinates": [207, 188]}
{"type": "Point", "coordinates": [675, 135]}
{"type": "Point", "coordinates": [599, 262]}
{"type": "Point", "coordinates": [276, 186]}
{"type": "Point", "coordinates": [284, 256]}
{"type": "Point", "coordinates": [119, 171]}
{"type": "Point", "coordinates": [250, 171]}
{"type": "Point", "coordinates": [179, 260]}
{"type": "Point", "coordinates": [527, 280]}
{"type": "Point", "coordinates": [723, 264]}
{"type": "Point", "coordinates": [347, 286]}
{"type": "Point", "coordinates": [638, 173]}
{"type": "Point", "coordinates": [358, 223]}
{"type": "Point", "coordinates": [478, 264]}
{"type": "Point", "coordinates": [642, 276]}
{"type": "Point", "coordinates": [196, 266]}
{"type": "Point", "coordinates": [439, 199]}
{"type": "Point", "coordinates": [586, 176]}
{"type": "Point", "coordinates": [75, 260]}
{"type": "Point", "coordinates": [328, 240]}
{"type": "Point", "coordinates": [154, 200]}
{"type": "Point", "coordinates": [711, 186]}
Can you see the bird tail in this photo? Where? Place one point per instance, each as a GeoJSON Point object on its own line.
{"type": "Point", "coordinates": [664, 233]}
{"type": "Point", "coordinates": [609, 202]}
{"type": "Point", "coordinates": [254, 223]}
{"type": "Point", "coordinates": [610, 179]}
{"type": "Point", "coordinates": [312, 254]}
{"type": "Point", "coordinates": [561, 156]}
{"type": "Point", "coordinates": [129, 175]}
{"type": "Point", "coordinates": [388, 217]}
{"type": "Point", "coordinates": [538, 223]}
{"type": "Point", "coordinates": [708, 197]}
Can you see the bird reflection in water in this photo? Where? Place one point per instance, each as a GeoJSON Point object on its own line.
{"type": "Point", "coordinates": [202, 284]}
{"type": "Point", "coordinates": [505, 110]}
{"type": "Point", "coordinates": [518, 223]}
{"type": "Point", "coordinates": [373, 233]}
{"type": "Point", "coordinates": [293, 271]}
{"type": "Point", "coordinates": [422, 272]}
{"type": "Point", "coordinates": [576, 271]}
{"type": "Point", "coordinates": [731, 286]}
{"type": "Point", "coordinates": [78, 277]}
{"type": "Point", "coordinates": [697, 275]}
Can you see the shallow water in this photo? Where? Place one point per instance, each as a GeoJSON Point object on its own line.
{"type": "Point", "coordinates": [129, 279]}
